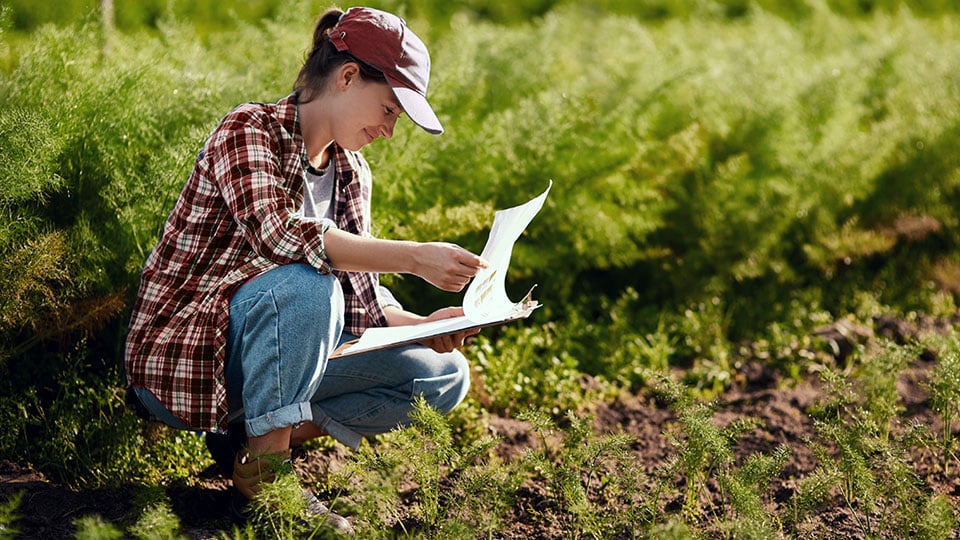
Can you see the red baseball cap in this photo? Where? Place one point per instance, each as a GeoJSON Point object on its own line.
{"type": "Point", "coordinates": [383, 40]}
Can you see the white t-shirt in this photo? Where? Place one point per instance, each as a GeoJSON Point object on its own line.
{"type": "Point", "coordinates": [318, 192]}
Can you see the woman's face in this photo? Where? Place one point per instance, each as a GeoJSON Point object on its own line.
{"type": "Point", "coordinates": [365, 110]}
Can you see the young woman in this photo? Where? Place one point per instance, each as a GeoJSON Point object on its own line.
{"type": "Point", "coordinates": [266, 265]}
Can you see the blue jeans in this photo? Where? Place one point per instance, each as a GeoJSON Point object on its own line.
{"type": "Point", "coordinates": [283, 326]}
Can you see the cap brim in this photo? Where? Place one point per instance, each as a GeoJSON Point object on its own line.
{"type": "Point", "coordinates": [417, 108]}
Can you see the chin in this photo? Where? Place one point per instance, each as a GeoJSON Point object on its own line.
{"type": "Point", "coordinates": [354, 146]}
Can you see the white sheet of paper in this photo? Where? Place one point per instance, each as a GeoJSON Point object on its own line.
{"type": "Point", "coordinates": [486, 298]}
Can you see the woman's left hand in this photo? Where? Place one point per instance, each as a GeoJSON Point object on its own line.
{"type": "Point", "coordinates": [448, 342]}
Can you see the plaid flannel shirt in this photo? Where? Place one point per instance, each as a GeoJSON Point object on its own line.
{"type": "Point", "coordinates": [237, 217]}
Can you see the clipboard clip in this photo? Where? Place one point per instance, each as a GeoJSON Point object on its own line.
{"type": "Point", "coordinates": [525, 307]}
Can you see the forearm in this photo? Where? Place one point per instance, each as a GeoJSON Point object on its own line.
{"type": "Point", "coordinates": [400, 317]}
{"type": "Point", "coordinates": [354, 253]}
{"type": "Point", "coordinates": [446, 266]}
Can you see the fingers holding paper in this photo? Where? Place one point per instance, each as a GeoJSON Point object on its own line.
{"type": "Point", "coordinates": [446, 266]}
{"type": "Point", "coordinates": [448, 342]}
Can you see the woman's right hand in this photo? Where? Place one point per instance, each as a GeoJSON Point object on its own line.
{"type": "Point", "coordinates": [447, 266]}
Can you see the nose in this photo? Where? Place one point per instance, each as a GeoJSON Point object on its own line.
{"type": "Point", "coordinates": [386, 129]}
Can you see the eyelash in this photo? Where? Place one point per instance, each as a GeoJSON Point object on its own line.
{"type": "Point", "coordinates": [389, 111]}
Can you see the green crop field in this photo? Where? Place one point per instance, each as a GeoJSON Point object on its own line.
{"type": "Point", "coordinates": [730, 177]}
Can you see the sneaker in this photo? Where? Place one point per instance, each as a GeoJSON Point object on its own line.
{"type": "Point", "coordinates": [249, 473]}
{"type": "Point", "coordinates": [318, 510]}
{"type": "Point", "coordinates": [314, 513]}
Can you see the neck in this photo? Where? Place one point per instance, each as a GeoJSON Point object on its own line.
{"type": "Point", "coordinates": [315, 132]}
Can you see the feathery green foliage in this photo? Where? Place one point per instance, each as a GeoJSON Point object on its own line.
{"type": "Point", "coordinates": [456, 488]}
{"type": "Point", "coordinates": [591, 477]}
{"type": "Point", "coordinates": [531, 365]}
{"type": "Point", "coordinates": [741, 167]}
{"type": "Point", "coordinates": [944, 387]}
{"type": "Point", "coordinates": [82, 433]}
{"type": "Point", "coordinates": [878, 382]}
{"type": "Point", "coordinates": [745, 487]}
{"type": "Point", "coordinates": [158, 522]}
{"type": "Point", "coordinates": [723, 171]}
{"type": "Point", "coordinates": [868, 467]}
{"type": "Point", "coordinates": [9, 516]}
{"type": "Point", "coordinates": [704, 449]}
{"type": "Point", "coordinates": [96, 528]}
{"type": "Point", "coordinates": [276, 508]}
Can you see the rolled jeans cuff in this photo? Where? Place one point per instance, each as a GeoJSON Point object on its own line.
{"type": "Point", "coordinates": [338, 431]}
{"type": "Point", "coordinates": [287, 416]}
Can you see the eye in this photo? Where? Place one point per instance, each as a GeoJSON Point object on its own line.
{"type": "Point", "coordinates": [389, 110]}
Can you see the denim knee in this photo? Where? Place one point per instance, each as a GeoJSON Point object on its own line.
{"type": "Point", "coordinates": [445, 392]}
{"type": "Point", "coordinates": [283, 325]}
{"type": "Point", "coordinates": [374, 393]}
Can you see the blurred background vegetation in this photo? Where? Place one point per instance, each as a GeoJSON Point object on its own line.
{"type": "Point", "coordinates": [725, 171]}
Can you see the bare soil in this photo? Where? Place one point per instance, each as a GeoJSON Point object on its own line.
{"type": "Point", "coordinates": [48, 510]}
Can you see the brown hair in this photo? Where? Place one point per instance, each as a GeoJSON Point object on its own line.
{"type": "Point", "coordinates": [324, 58]}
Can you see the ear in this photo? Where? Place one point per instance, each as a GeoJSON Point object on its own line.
{"type": "Point", "coordinates": [347, 75]}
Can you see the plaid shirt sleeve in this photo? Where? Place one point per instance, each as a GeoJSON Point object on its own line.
{"type": "Point", "coordinates": [245, 161]}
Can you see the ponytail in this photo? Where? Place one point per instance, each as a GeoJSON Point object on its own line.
{"type": "Point", "coordinates": [324, 58]}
